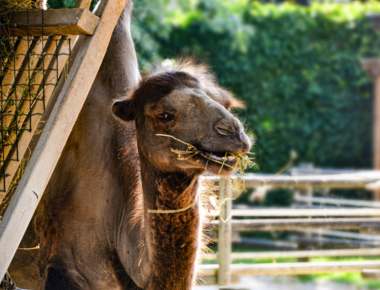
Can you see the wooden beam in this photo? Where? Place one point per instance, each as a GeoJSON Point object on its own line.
{"type": "Point", "coordinates": [83, 71]}
{"type": "Point", "coordinates": [297, 268]}
{"type": "Point", "coordinates": [304, 212]}
{"type": "Point", "coordinates": [372, 66]}
{"type": "Point", "coordinates": [337, 201]}
{"type": "Point", "coordinates": [347, 235]}
{"type": "Point", "coordinates": [76, 21]}
{"type": "Point", "coordinates": [359, 180]}
{"type": "Point", "coordinates": [290, 224]}
{"type": "Point", "coordinates": [300, 254]}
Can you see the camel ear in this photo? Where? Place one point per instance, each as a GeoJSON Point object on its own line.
{"type": "Point", "coordinates": [230, 101]}
{"type": "Point", "coordinates": [235, 103]}
{"type": "Point", "coordinates": [125, 109]}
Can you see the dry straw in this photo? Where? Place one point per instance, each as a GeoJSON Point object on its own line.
{"type": "Point", "coordinates": [243, 161]}
{"type": "Point", "coordinates": [7, 6]}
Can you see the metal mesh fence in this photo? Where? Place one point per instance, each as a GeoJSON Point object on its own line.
{"type": "Point", "coordinates": [30, 67]}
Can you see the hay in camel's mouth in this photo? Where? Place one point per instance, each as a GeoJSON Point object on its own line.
{"type": "Point", "coordinates": [225, 160]}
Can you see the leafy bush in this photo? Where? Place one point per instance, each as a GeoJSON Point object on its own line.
{"type": "Point", "coordinates": [297, 68]}
{"type": "Point", "coordinates": [61, 3]}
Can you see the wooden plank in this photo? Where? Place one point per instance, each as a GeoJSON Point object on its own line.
{"type": "Point", "coordinates": [86, 63]}
{"type": "Point", "coordinates": [304, 212]}
{"type": "Point", "coordinates": [376, 131]}
{"type": "Point", "coordinates": [359, 180]}
{"type": "Point", "coordinates": [76, 21]}
{"type": "Point", "coordinates": [372, 66]}
{"type": "Point", "coordinates": [290, 224]}
{"type": "Point", "coordinates": [298, 268]}
{"type": "Point", "coordinates": [299, 254]}
{"type": "Point", "coordinates": [225, 232]}
{"type": "Point", "coordinates": [338, 201]}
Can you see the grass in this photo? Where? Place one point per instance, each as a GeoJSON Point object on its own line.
{"type": "Point", "coordinates": [344, 278]}
{"type": "Point", "coordinates": [351, 278]}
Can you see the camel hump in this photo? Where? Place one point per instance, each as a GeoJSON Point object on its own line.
{"type": "Point", "coordinates": [205, 77]}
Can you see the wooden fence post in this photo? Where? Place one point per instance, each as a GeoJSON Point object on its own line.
{"type": "Point", "coordinates": [372, 66]}
{"type": "Point", "coordinates": [225, 231]}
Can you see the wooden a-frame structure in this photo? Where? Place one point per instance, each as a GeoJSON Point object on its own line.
{"type": "Point", "coordinates": [89, 36]}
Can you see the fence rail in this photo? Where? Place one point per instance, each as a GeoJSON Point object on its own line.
{"type": "Point", "coordinates": [292, 219]}
{"type": "Point", "coordinates": [289, 224]}
{"type": "Point", "coordinates": [336, 201]}
{"type": "Point", "coordinates": [297, 268]}
{"type": "Point", "coordinates": [304, 212]}
{"type": "Point", "coordinates": [300, 254]}
{"type": "Point", "coordinates": [352, 180]}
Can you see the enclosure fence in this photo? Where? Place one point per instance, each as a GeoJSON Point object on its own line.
{"type": "Point", "coordinates": [352, 216]}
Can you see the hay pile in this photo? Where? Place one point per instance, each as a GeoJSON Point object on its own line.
{"type": "Point", "coordinates": [7, 6]}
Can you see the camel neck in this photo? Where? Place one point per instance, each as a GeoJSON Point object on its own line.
{"type": "Point", "coordinates": [171, 237]}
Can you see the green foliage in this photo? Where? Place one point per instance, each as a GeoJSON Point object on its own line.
{"type": "Point", "coordinates": [278, 197]}
{"type": "Point", "coordinates": [150, 25]}
{"type": "Point", "coordinates": [61, 3]}
{"type": "Point", "coordinates": [297, 68]}
{"type": "Point", "coordinates": [346, 278]}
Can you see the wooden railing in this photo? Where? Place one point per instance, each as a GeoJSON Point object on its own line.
{"type": "Point", "coordinates": [352, 216]}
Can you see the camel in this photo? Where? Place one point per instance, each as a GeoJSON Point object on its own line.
{"type": "Point", "coordinates": [122, 209]}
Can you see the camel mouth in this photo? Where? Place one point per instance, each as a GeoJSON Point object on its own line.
{"type": "Point", "coordinates": [218, 162]}
{"type": "Point", "coordinates": [222, 158]}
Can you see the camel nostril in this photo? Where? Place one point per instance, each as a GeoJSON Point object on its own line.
{"type": "Point", "coordinates": [224, 131]}
{"type": "Point", "coordinates": [224, 128]}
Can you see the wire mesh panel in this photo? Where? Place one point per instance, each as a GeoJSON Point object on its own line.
{"type": "Point", "coordinates": [30, 68]}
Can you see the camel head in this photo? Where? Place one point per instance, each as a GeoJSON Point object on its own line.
{"type": "Point", "coordinates": [183, 121]}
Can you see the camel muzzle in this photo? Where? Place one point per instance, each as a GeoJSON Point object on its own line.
{"type": "Point", "coordinates": [232, 128]}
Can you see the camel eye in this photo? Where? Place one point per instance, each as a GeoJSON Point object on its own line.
{"type": "Point", "coordinates": [166, 117]}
